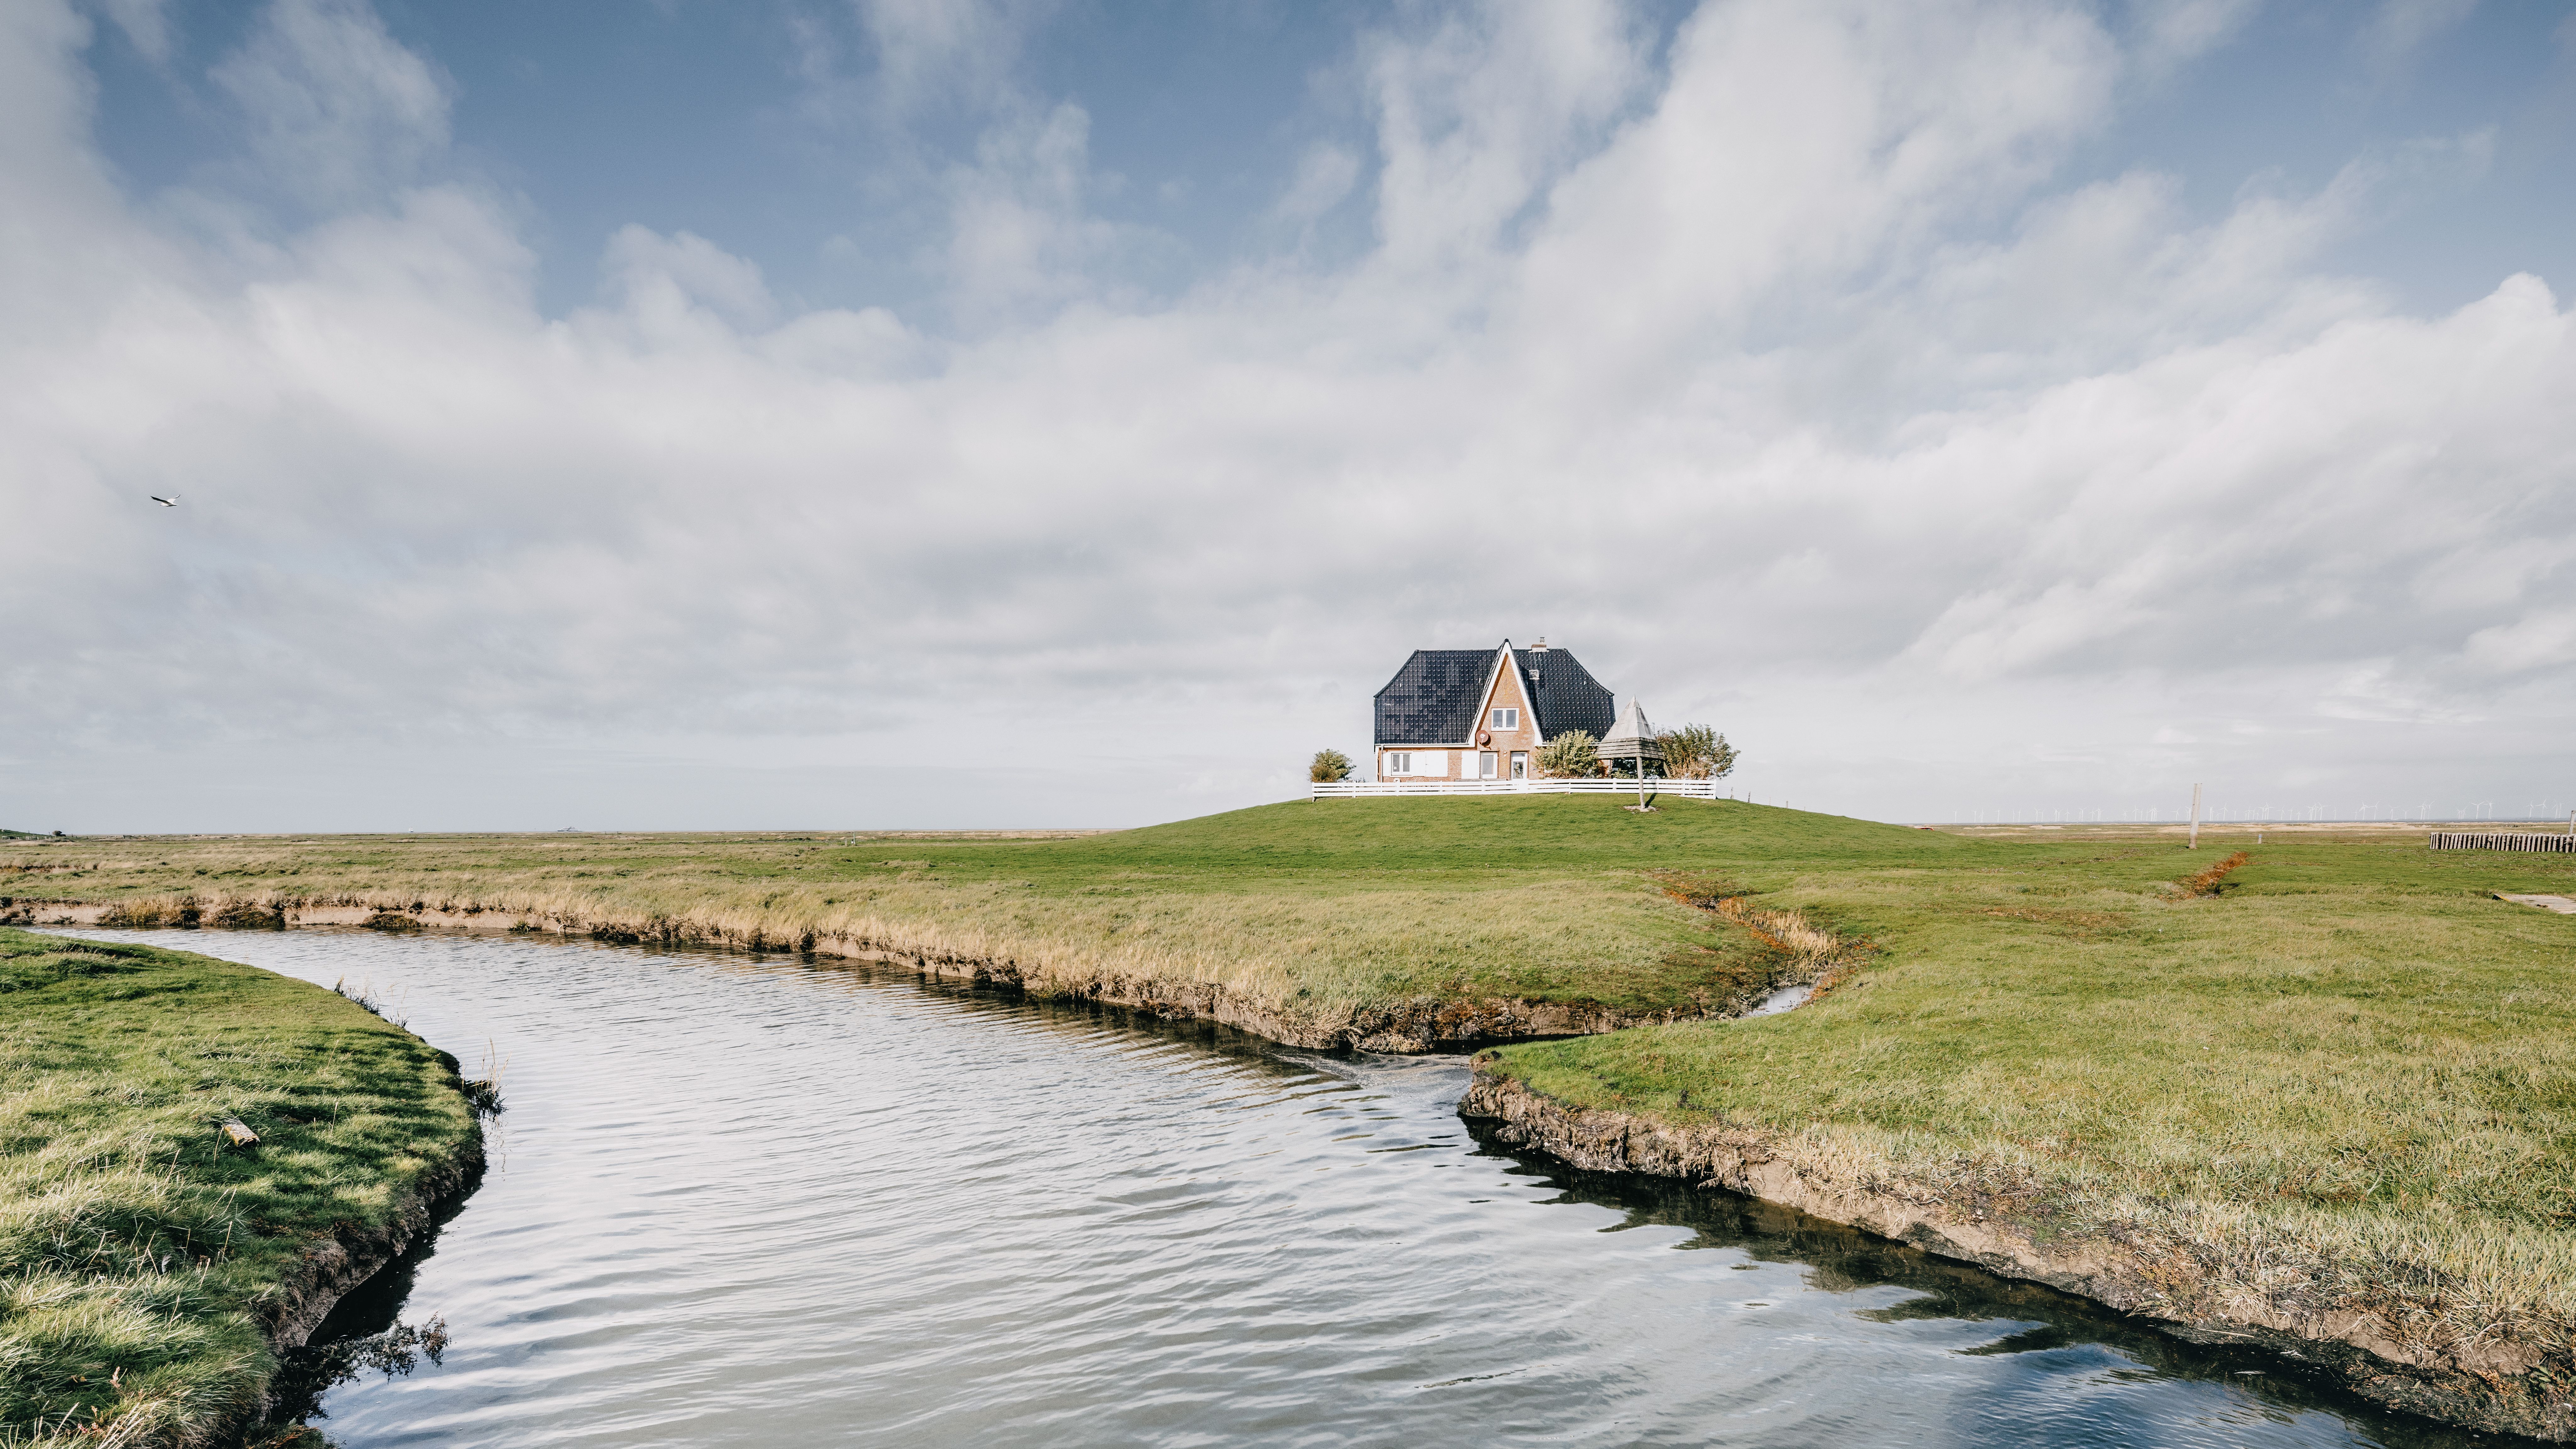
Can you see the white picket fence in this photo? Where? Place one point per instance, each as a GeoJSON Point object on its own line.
{"type": "Point", "coordinates": [2502, 840]}
{"type": "Point", "coordinates": [1655, 785]}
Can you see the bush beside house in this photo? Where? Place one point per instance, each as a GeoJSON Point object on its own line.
{"type": "Point", "coordinates": [1573, 755]}
{"type": "Point", "coordinates": [1696, 752]}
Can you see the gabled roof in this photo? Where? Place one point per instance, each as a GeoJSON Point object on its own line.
{"type": "Point", "coordinates": [1434, 698]}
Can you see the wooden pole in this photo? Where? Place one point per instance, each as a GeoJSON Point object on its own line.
{"type": "Point", "coordinates": [2195, 817]}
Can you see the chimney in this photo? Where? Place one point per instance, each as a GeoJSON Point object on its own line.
{"type": "Point", "coordinates": [1542, 645]}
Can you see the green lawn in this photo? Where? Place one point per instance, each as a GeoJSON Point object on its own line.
{"type": "Point", "coordinates": [140, 1258]}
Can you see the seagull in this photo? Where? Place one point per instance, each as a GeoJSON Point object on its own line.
{"type": "Point", "coordinates": [170, 502]}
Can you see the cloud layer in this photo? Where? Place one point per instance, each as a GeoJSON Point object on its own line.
{"type": "Point", "coordinates": [1775, 371]}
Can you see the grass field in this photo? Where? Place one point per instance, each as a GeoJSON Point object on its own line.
{"type": "Point", "coordinates": [2347, 1075]}
{"type": "Point", "coordinates": [140, 1256]}
{"type": "Point", "coordinates": [2341, 1066]}
{"type": "Point", "coordinates": [1311, 909]}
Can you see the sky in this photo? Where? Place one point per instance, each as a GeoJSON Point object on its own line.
{"type": "Point", "coordinates": [858, 414]}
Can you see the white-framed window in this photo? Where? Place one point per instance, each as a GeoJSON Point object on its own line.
{"type": "Point", "coordinates": [1485, 762]}
{"type": "Point", "coordinates": [1507, 719]}
{"type": "Point", "coordinates": [1399, 762]}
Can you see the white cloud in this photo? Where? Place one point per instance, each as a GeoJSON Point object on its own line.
{"type": "Point", "coordinates": [1796, 150]}
{"type": "Point", "coordinates": [2542, 639]}
{"type": "Point", "coordinates": [340, 113]}
{"type": "Point", "coordinates": [1020, 233]}
{"type": "Point", "coordinates": [1788, 387]}
{"type": "Point", "coordinates": [1325, 175]}
{"type": "Point", "coordinates": [667, 283]}
{"type": "Point", "coordinates": [2171, 32]}
{"type": "Point", "coordinates": [1477, 115]}
{"type": "Point", "coordinates": [947, 49]}
{"type": "Point", "coordinates": [2375, 691]}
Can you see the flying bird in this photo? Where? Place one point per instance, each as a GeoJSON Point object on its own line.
{"type": "Point", "coordinates": [170, 502]}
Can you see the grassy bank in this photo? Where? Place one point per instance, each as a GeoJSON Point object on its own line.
{"type": "Point", "coordinates": [1312, 911]}
{"type": "Point", "coordinates": [144, 1261]}
{"type": "Point", "coordinates": [2340, 1087]}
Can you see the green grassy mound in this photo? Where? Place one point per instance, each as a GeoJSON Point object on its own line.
{"type": "Point", "coordinates": [140, 1255]}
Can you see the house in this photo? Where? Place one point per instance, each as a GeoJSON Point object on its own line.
{"type": "Point", "coordinates": [1481, 714]}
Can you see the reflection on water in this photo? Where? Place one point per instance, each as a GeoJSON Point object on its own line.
{"type": "Point", "coordinates": [762, 1201]}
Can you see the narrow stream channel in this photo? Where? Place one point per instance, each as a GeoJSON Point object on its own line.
{"type": "Point", "coordinates": [744, 1201]}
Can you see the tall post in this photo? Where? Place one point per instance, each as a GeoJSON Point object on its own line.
{"type": "Point", "coordinates": [2195, 817]}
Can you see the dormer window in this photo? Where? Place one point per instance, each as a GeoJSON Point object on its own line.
{"type": "Point", "coordinates": [1507, 719]}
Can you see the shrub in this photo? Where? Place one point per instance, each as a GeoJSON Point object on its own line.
{"type": "Point", "coordinates": [1572, 755]}
{"type": "Point", "coordinates": [248, 916]}
{"type": "Point", "coordinates": [152, 913]}
{"type": "Point", "coordinates": [1329, 767]}
{"type": "Point", "coordinates": [134, 916]}
{"type": "Point", "coordinates": [1696, 752]}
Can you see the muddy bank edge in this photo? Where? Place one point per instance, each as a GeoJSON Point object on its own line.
{"type": "Point", "coordinates": [1414, 1024]}
{"type": "Point", "coordinates": [330, 1267]}
{"type": "Point", "coordinates": [2493, 1384]}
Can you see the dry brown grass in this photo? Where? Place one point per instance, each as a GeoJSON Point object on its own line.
{"type": "Point", "coordinates": [2207, 882]}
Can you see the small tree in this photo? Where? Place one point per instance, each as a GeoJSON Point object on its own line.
{"type": "Point", "coordinates": [1573, 755]}
{"type": "Point", "coordinates": [1696, 752]}
{"type": "Point", "coordinates": [1329, 767]}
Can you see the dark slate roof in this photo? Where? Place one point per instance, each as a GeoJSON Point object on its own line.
{"type": "Point", "coordinates": [1565, 694]}
{"type": "Point", "coordinates": [1432, 700]}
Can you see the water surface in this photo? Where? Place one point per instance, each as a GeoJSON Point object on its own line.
{"type": "Point", "coordinates": [745, 1201]}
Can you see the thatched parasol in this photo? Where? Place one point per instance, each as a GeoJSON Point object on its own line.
{"type": "Point", "coordinates": [1632, 739]}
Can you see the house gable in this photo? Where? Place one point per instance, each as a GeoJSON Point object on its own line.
{"type": "Point", "coordinates": [1509, 690]}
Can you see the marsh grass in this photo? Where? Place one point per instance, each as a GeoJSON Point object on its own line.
{"type": "Point", "coordinates": [2348, 1083]}
{"type": "Point", "coordinates": [140, 1255]}
{"type": "Point", "coordinates": [2349, 1075]}
{"type": "Point", "coordinates": [1316, 910]}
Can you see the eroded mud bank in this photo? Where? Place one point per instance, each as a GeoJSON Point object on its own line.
{"type": "Point", "coordinates": [2491, 1381]}
{"type": "Point", "coordinates": [332, 1267]}
{"type": "Point", "coordinates": [1419, 1024]}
